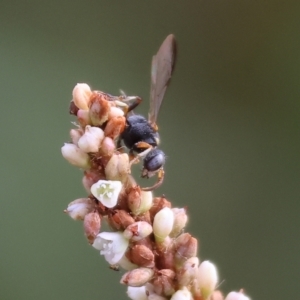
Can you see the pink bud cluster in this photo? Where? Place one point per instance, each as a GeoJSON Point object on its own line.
{"type": "Point", "coordinates": [147, 237]}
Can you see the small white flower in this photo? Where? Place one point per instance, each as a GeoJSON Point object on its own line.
{"type": "Point", "coordinates": [107, 192]}
{"type": "Point", "coordinates": [112, 245]}
{"type": "Point", "coordinates": [79, 208]}
{"type": "Point", "coordinates": [137, 293]}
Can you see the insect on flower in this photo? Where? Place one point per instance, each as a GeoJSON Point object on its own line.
{"type": "Point", "coordinates": [140, 135]}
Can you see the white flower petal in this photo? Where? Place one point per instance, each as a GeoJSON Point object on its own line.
{"type": "Point", "coordinates": [107, 192]}
{"type": "Point", "coordinates": [137, 293]}
{"type": "Point", "coordinates": [112, 245]}
{"type": "Point", "coordinates": [126, 264]}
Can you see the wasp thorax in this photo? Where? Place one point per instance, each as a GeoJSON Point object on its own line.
{"type": "Point", "coordinates": [137, 130]}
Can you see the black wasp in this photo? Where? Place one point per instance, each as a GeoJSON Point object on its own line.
{"type": "Point", "coordinates": [141, 135]}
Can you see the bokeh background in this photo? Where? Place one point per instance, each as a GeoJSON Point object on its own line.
{"type": "Point", "coordinates": [229, 125]}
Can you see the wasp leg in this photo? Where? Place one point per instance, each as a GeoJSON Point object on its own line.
{"type": "Point", "coordinates": [114, 267]}
{"type": "Point", "coordinates": [123, 102]}
{"type": "Point", "coordinates": [142, 146]}
{"type": "Point", "coordinates": [119, 144]}
{"type": "Point", "coordinates": [136, 101]}
{"type": "Point", "coordinates": [134, 159]}
{"type": "Point", "coordinates": [134, 104]}
{"type": "Point", "coordinates": [160, 179]}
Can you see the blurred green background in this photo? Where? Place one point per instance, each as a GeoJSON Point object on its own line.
{"type": "Point", "coordinates": [229, 125]}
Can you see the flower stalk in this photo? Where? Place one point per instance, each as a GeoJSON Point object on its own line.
{"type": "Point", "coordinates": [147, 237]}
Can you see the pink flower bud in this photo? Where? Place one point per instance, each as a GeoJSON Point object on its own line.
{"type": "Point", "coordinates": [180, 220]}
{"type": "Point", "coordinates": [83, 118]}
{"type": "Point", "coordinates": [185, 247]}
{"type": "Point", "coordinates": [164, 283]}
{"type": "Point", "coordinates": [139, 201]}
{"type": "Point", "coordinates": [77, 209]}
{"type": "Point", "coordinates": [165, 254]}
{"type": "Point", "coordinates": [108, 146]}
{"type": "Point", "coordinates": [75, 156]}
{"type": "Point", "coordinates": [118, 167]}
{"type": "Point", "coordinates": [137, 231]}
{"type": "Point", "coordinates": [163, 224]}
{"type": "Point", "coordinates": [115, 127]}
{"type": "Point", "coordinates": [90, 177]}
{"type": "Point", "coordinates": [207, 278]}
{"type": "Point", "coordinates": [75, 135]}
{"type": "Point", "coordinates": [81, 95]}
{"type": "Point", "coordinates": [144, 217]}
{"type": "Point", "coordinates": [91, 225]}
{"type": "Point", "coordinates": [91, 139]}
{"type": "Point", "coordinates": [141, 256]}
{"type": "Point", "coordinates": [188, 272]}
{"type": "Point", "coordinates": [99, 109]}
{"type": "Point", "coordinates": [137, 277]}
{"type": "Point", "coordinates": [158, 204]}
{"type": "Point", "coordinates": [120, 219]}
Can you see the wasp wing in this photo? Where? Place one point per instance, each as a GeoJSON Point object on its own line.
{"type": "Point", "coordinates": [161, 71]}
